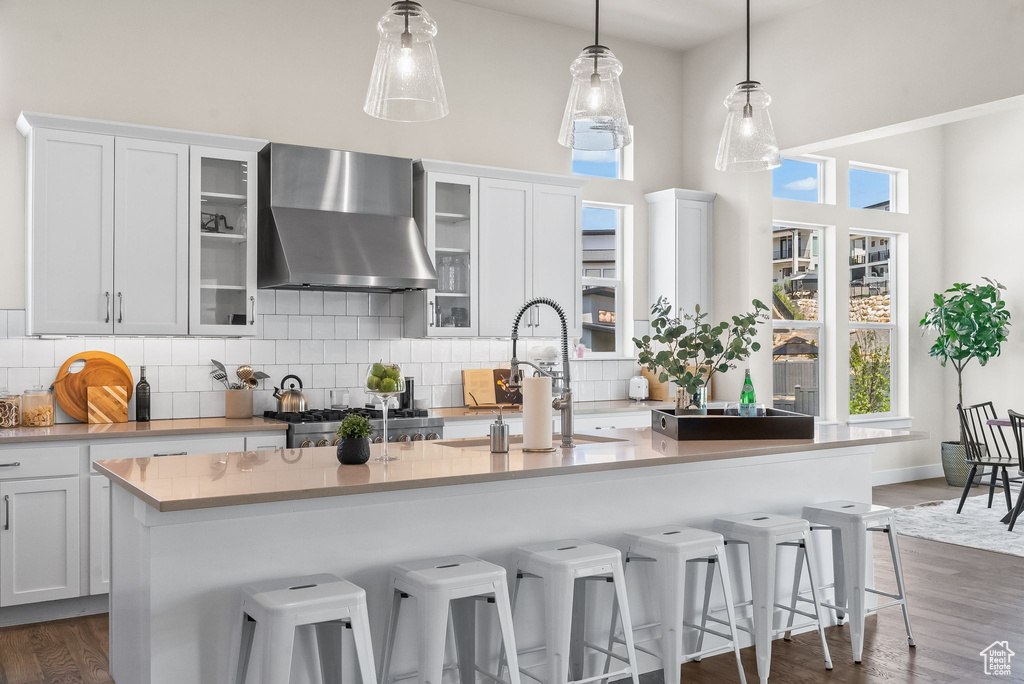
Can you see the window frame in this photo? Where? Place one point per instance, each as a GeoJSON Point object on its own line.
{"type": "Point", "coordinates": [617, 283]}
{"type": "Point", "coordinates": [623, 159]}
{"type": "Point", "coordinates": [823, 306]}
{"type": "Point", "coordinates": [896, 201]}
{"type": "Point", "coordinates": [892, 326]}
{"type": "Point", "coordinates": [821, 163]}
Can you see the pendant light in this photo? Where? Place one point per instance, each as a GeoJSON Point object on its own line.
{"type": "Point", "coordinates": [748, 141]}
{"type": "Point", "coordinates": [595, 115]}
{"type": "Point", "coordinates": [406, 84]}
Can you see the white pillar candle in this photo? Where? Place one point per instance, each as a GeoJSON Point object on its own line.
{"type": "Point", "coordinates": [537, 420]}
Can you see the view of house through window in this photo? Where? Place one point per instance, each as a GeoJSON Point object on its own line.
{"type": "Point", "coordinates": [798, 179]}
{"type": "Point", "coordinates": [602, 276]}
{"type": "Point", "coordinates": [872, 189]}
{"type": "Point", "coordinates": [872, 324]}
{"type": "Point", "coordinates": [796, 319]}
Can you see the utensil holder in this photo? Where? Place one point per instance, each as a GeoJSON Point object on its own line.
{"type": "Point", "coordinates": [238, 404]}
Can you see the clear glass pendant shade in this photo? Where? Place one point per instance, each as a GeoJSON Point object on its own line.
{"type": "Point", "coordinates": [595, 115]}
{"type": "Point", "coordinates": [748, 140]}
{"type": "Point", "coordinates": [406, 81]}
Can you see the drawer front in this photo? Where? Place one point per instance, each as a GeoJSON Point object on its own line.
{"type": "Point", "coordinates": [165, 447]}
{"type": "Point", "coordinates": [266, 442]}
{"type": "Point", "coordinates": [47, 461]}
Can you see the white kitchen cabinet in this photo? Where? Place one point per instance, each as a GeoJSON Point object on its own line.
{"type": "Point", "coordinates": [39, 540]}
{"type": "Point", "coordinates": [222, 242]}
{"type": "Point", "coordinates": [554, 246]}
{"type": "Point", "coordinates": [99, 534]}
{"type": "Point", "coordinates": [446, 209]}
{"type": "Point", "coordinates": [150, 237]}
{"type": "Point", "coordinates": [506, 222]}
{"type": "Point", "coordinates": [679, 235]}
{"type": "Point", "coordinates": [70, 211]}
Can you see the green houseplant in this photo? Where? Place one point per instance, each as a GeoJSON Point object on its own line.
{"type": "Point", "coordinates": [971, 322]}
{"type": "Point", "coordinates": [689, 351]}
{"type": "Point", "coordinates": [354, 447]}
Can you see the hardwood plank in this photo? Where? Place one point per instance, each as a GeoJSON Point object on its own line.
{"type": "Point", "coordinates": [17, 657]}
{"type": "Point", "coordinates": [54, 658]}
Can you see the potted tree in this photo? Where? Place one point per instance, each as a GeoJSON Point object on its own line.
{"type": "Point", "coordinates": [689, 351]}
{"type": "Point", "coordinates": [971, 322]}
{"type": "Point", "coordinates": [354, 447]}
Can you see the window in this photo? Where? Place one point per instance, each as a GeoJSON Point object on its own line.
{"type": "Point", "coordinates": [872, 323]}
{"type": "Point", "coordinates": [796, 319]}
{"type": "Point", "coordinates": [617, 164]}
{"type": "Point", "coordinates": [798, 179]}
{"type": "Point", "coordinates": [602, 277]}
{"type": "Point", "coordinates": [872, 188]}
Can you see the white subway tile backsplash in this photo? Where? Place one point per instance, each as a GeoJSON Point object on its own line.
{"type": "Point", "coordinates": [368, 328]}
{"type": "Point", "coordinates": [400, 351]}
{"type": "Point", "coordinates": [379, 350]}
{"type": "Point", "coordinates": [602, 390]}
{"type": "Point", "coordinates": [335, 303]}
{"type": "Point", "coordinates": [131, 350]}
{"type": "Point", "coordinates": [12, 353]}
{"type": "Point", "coordinates": [287, 302]}
{"type": "Point", "coordinates": [595, 370]}
{"type": "Point", "coordinates": [16, 323]}
{"type": "Point", "coordinates": [48, 375]}
{"type": "Point", "coordinates": [335, 351]}
{"type": "Point", "coordinates": [390, 328]}
{"type": "Point", "coordinates": [185, 352]}
{"type": "Point", "coordinates": [3, 323]}
{"type": "Point", "coordinates": [170, 379]}
{"type": "Point", "coordinates": [311, 303]}
{"type": "Point", "coordinates": [103, 344]}
{"type": "Point", "coordinates": [460, 351]}
{"type": "Point", "coordinates": [300, 328]}
{"type": "Point", "coordinates": [185, 404]}
{"type": "Point", "coordinates": [316, 397]}
{"type": "Point", "coordinates": [236, 352]}
{"type": "Point", "coordinates": [21, 379]}
{"type": "Point", "coordinates": [211, 350]}
{"type": "Point", "coordinates": [380, 304]}
{"type": "Point", "coordinates": [67, 347]}
{"type": "Point", "coordinates": [441, 350]}
{"type": "Point", "coordinates": [451, 373]}
{"type": "Point", "coordinates": [197, 379]}
{"type": "Point", "coordinates": [358, 304]}
{"type": "Point", "coordinates": [262, 351]}
{"type": "Point", "coordinates": [211, 404]}
{"type": "Point", "coordinates": [266, 302]}
{"type": "Point", "coordinates": [288, 352]}
{"type": "Point", "coordinates": [275, 327]}
{"type": "Point", "coordinates": [358, 351]}
{"type": "Point", "coordinates": [431, 374]}
{"type": "Point", "coordinates": [323, 376]}
{"type": "Point", "coordinates": [500, 350]}
{"type": "Point", "coordinates": [609, 370]}
{"type": "Point", "coordinates": [160, 407]}
{"type": "Point", "coordinates": [157, 352]}
{"type": "Point", "coordinates": [420, 351]}
{"type": "Point", "coordinates": [397, 304]}
{"type": "Point", "coordinates": [441, 395]}
{"type": "Point", "coordinates": [345, 327]}
{"type": "Point", "coordinates": [323, 327]}
{"type": "Point", "coordinates": [305, 372]}
{"type": "Point", "coordinates": [311, 351]}
{"type": "Point", "coordinates": [584, 391]}
{"type": "Point", "coordinates": [479, 350]}
{"type": "Point", "coordinates": [346, 375]}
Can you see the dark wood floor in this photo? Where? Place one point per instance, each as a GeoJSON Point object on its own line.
{"type": "Point", "coordinates": [961, 600]}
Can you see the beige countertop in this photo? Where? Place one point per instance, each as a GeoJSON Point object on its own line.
{"type": "Point", "coordinates": [582, 408]}
{"type": "Point", "coordinates": [175, 483]}
{"type": "Point", "coordinates": [63, 432]}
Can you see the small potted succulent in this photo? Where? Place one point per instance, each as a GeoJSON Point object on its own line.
{"type": "Point", "coordinates": [354, 447]}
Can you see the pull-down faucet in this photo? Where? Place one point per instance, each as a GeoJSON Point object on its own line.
{"type": "Point", "coordinates": [563, 402]}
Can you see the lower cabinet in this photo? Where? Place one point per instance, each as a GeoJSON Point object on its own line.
{"type": "Point", "coordinates": [39, 540]}
{"type": "Point", "coordinates": [99, 534]}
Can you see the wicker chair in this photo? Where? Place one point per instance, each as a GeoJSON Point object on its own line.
{"type": "Point", "coordinates": [986, 447]}
{"type": "Point", "coordinates": [1017, 424]}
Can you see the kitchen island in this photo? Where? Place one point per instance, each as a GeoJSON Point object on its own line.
{"type": "Point", "coordinates": [188, 531]}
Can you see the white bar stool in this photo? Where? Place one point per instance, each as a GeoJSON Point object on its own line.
{"type": "Point", "coordinates": [271, 611]}
{"type": "Point", "coordinates": [763, 533]}
{"type": "Point", "coordinates": [442, 585]}
{"type": "Point", "coordinates": [561, 564]}
{"type": "Point", "coordinates": [672, 547]}
{"type": "Point", "coordinates": [851, 524]}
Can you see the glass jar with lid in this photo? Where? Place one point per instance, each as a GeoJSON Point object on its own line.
{"type": "Point", "coordinates": [9, 409]}
{"type": "Point", "coordinates": [37, 407]}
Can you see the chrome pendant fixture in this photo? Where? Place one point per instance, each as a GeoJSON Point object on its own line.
{"type": "Point", "coordinates": [748, 140]}
{"type": "Point", "coordinates": [406, 84]}
{"type": "Point", "coordinates": [595, 115]}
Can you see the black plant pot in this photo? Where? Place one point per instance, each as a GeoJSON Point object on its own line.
{"type": "Point", "coordinates": [354, 451]}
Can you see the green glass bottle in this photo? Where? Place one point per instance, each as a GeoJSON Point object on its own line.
{"type": "Point", "coordinates": [748, 400]}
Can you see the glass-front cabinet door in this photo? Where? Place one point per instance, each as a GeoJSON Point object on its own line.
{"type": "Point", "coordinates": [222, 242]}
{"type": "Point", "coordinates": [451, 236]}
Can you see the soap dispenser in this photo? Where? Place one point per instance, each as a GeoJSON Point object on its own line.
{"type": "Point", "coordinates": [499, 434]}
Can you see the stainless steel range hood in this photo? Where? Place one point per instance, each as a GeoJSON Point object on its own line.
{"type": "Point", "coordinates": [334, 220]}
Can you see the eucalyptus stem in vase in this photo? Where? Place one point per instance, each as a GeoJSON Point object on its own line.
{"type": "Point", "coordinates": [689, 351]}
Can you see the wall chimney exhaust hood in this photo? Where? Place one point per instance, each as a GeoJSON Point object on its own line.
{"type": "Point", "coordinates": [334, 220]}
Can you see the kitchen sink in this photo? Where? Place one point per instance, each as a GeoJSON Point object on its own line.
{"type": "Point", "coordinates": [515, 442]}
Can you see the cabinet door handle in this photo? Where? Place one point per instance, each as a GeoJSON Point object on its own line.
{"type": "Point", "coordinates": [536, 321]}
{"type": "Point", "coordinates": [433, 315]}
{"type": "Point", "coordinates": [107, 295]}
{"type": "Point", "coordinates": [7, 511]}
{"type": "Point", "coordinates": [120, 307]}
{"type": "Point", "coordinates": [173, 453]}
{"type": "Point", "coordinates": [252, 319]}
{"type": "Point", "coordinates": [14, 464]}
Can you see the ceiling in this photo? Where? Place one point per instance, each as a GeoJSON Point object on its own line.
{"type": "Point", "coordinates": [673, 24]}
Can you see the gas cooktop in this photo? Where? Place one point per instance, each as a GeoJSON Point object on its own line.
{"type": "Point", "coordinates": [337, 415]}
{"type": "Point", "coordinates": [319, 427]}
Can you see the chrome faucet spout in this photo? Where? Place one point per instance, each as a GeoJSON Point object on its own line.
{"type": "Point", "coordinates": [563, 403]}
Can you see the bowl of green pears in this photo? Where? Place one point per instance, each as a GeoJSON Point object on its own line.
{"type": "Point", "coordinates": [384, 379]}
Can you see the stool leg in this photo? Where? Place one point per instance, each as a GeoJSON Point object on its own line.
{"type": "Point", "coordinates": [708, 583]}
{"type": "Point", "coordinates": [967, 488]}
{"type": "Point", "coordinates": [277, 645]}
{"type": "Point", "coordinates": [812, 577]}
{"type": "Point", "coordinates": [897, 565]}
{"type": "Point", "coordinates": [504, 657]}
{"type": "Point", "coordinates": [611, 639]}
{"type": "Point", "coordinates": [730, 609]}
{"type": "Point", "coordinates": [464, 624]}
{"type": "Point", "coordinates": [627, 622]}
{"type": "Point", "coordinates": [798, 574]}
{"type": "Point", "coordinates": [762, 590]}
{"type": "Point", "coordinates": [241, 643]}
{"type": "Point", "coordinates": [508, 639]}
{"type": "Point", "coordinates": [364, 647]}
{"type": "Point", "coordinates": [854, 540]}
{"type": "Point", "coordinates": [558, 591]}
{"type": "Point", "coordinates": [576, 631]}
{"type": "Point", "coordinates": [433, 631]}
{"type": "Point", "coordinates": [838, 574]}
{"type": "Point", "coordinates": [389, 637]}
{"type": "Point", "coordinates": [328, 647]}
{"type": "Point", "coordinates": [673, 583]}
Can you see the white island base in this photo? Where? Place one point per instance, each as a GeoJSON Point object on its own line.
{"type": "Point", "coordinates": [176, 573]}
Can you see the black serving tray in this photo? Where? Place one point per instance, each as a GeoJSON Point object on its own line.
{"type": "Point", "coordinates": [777, 424]}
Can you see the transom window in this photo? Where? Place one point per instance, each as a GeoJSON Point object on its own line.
{"type": "Point", "coordinates": [872, 188]}
{"type": "Point", "coordinates": [615, 164]}
{"type": "Point", "coordinates": [799, 179]}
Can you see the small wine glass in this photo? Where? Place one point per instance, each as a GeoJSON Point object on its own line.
{"type": "Point", "coordinates": [384, 380]}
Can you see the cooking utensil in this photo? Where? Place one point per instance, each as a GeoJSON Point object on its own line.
{"type": "Point", "coordinates": [100, 369]}
{"type": "Point", "coordinates": [221, 376]}
{"type": "Point", "coordinates": [250, 383]}
{"type": "Point", "coordinates": [290, 400]}
{"type": "Point", "coordinates": [244, 372]}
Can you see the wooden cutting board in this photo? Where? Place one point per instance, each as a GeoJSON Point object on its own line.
{"type": "Point", "coordinates": [101, 369]}
{"type": "Point", "coordinates": [108, 404]}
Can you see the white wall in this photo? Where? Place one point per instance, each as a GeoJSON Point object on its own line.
{"type": "Point", "coordinates": [297, 71]}
{"type": "Point", "coordinates": [984, 232]}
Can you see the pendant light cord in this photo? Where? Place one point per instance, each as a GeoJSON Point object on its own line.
{"type": "Point", "coordinates": [748, 41]}
{"type": "Point", "coordinates": [597, 24]}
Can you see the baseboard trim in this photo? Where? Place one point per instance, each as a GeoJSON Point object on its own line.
{"type": "Point", "coordinates": [925, 472]}
{"type": "Point", "coordinates": [54, 610]}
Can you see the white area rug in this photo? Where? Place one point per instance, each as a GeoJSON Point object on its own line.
{"type": "Point", "coordinates": [976, 526]}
